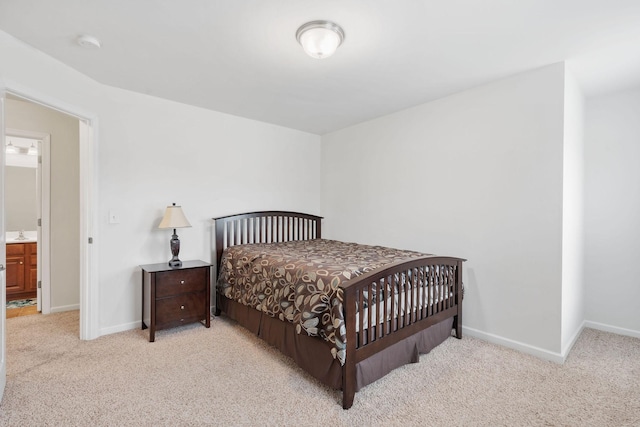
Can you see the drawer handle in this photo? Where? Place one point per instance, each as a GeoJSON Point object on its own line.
{"type": "Point", "coordinates": [20, 262]}
{"type": "Point", "coordinates": [182, 307]}
{"type": "Point", "coordinates": [182, 282]}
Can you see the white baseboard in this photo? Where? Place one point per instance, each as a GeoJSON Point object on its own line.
{"type": "Point", "coordinates": [567, 348]}
{"type": "Point", "coordinates": [612, 329]}
{"type": "Point", "coordinates": [516, 345]}
{"type": "Point", "coordinates": [121, 328]}
{"type": "Point", "coordinates": [546, 354]}
{"type": "Point", "coordinates": [65, 308]}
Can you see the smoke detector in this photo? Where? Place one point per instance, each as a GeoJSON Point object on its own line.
{"type": "Point", "coordinates": [88, 42]}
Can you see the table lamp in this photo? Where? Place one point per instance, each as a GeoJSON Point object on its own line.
{"type": "Point", "coordinates": [174, 218]}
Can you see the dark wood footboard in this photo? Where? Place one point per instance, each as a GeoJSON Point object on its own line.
{"type": "Point", "coordinates": [400, 300]}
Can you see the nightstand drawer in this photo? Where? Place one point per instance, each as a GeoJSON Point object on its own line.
{"type": "Point", "coordinates": [184, 308]}
{"type": "Point", "coordinates": [170, 283]}
{"type": "Point", "coordinates": [175, 295]}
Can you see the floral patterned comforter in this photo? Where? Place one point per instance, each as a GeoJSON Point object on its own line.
{"type": "Point", "coordinates": [300, 281]}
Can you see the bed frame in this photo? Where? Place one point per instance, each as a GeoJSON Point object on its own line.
{"type": "Point", "coordinates": [364, 346]}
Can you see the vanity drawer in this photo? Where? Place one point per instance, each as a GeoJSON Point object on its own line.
{"type": "Point", "coordinates": [15, 249]}
{"type": "Point", "coordinates": [181, 309]}
{"type": "Point", "coordinates": [169, 283]}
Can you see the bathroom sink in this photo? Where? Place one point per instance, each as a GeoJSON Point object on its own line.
{"type": "Point", "coordinates": [21, 237]}
{"type": "Point", "coordinates": [23, 240]}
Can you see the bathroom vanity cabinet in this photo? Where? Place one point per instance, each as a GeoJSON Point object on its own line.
{"type": "Point", "coordinates": [22, 270]}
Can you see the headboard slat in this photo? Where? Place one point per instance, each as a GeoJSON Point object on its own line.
{"type": "Point", "coordinates": [264, 227]}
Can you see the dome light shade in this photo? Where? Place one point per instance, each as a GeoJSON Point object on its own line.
{"type": "Point", "coordinates": [320, 39]}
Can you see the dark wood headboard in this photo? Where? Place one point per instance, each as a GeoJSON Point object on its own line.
{"type": "Point", "coordinates": [264, 227]}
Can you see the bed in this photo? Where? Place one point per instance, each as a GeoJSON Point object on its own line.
{"type": "Point", "coordinates": [344, 324]}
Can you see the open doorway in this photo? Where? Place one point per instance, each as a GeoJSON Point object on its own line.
{"type": "Point", "coordinates": [59, 234]}
{"type": "Point", "coordinates": [27, 196]}
{"type": "Point", "coordinates": [84, 267]}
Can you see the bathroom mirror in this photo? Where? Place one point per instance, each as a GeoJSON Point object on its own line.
{"type": "Point", "coordinates": [21, 203]}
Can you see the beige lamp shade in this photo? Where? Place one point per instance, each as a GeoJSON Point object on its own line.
{"type": "Point", "coordinates": [174, 218]}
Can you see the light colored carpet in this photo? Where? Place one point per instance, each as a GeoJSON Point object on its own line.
{"type": "Point", "coordinates": [225, 376]}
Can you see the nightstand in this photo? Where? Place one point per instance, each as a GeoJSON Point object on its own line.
{"type": "Point", "coordinates": [174, 296]}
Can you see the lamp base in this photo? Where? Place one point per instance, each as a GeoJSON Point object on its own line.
{"type": "Point", "coordinates": [175, 250]}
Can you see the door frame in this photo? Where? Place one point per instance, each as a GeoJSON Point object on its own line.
{"type": "Point", "coordinates": [88, 265]}
{"type": "Point", "coordinates": [44, 213]}
{"type": "Point", "coordinates": [3, 258]}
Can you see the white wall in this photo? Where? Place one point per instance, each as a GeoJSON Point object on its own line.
{"type": "Point", "coordinates": [572, 214]}
{"type": "Point", "coordinates": [476, 175]}
{"type": "Point", "coordinates": [612, 212]}
{"type": "Point", "coordinates": [154, 152]}
{"type": "Point", "coordinates": [65, 195]}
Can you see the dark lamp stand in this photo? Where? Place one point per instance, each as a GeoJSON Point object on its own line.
{"type": "Point", "coordinates": [175, 250]}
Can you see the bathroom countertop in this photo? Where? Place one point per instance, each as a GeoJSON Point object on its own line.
{"type": "Point", "coordinates": [29, 237]}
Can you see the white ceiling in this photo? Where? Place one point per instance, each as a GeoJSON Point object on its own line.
{"type": "Point", "coordinates": [241, 56]}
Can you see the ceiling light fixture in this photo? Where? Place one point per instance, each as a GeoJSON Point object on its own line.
{"type": "Point", "coordinates": [33, 151]}
{"type": "Point", "coordinates": [88, 42]}
{"type": "Point", "coordinates": [320, 39]}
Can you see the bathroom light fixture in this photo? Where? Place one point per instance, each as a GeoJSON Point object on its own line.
{"type": "Point", "coordinates": [174, 218]}
{"type": "Point", "coordinates": [33, 151]}
{"type": "Point", "coordinates": [11, 149]}
{"type": "Point", "coordinates": [320, 39]}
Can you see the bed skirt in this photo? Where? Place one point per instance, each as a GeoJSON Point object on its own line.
{"type": "Point", "coordinates": [313, 354]}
